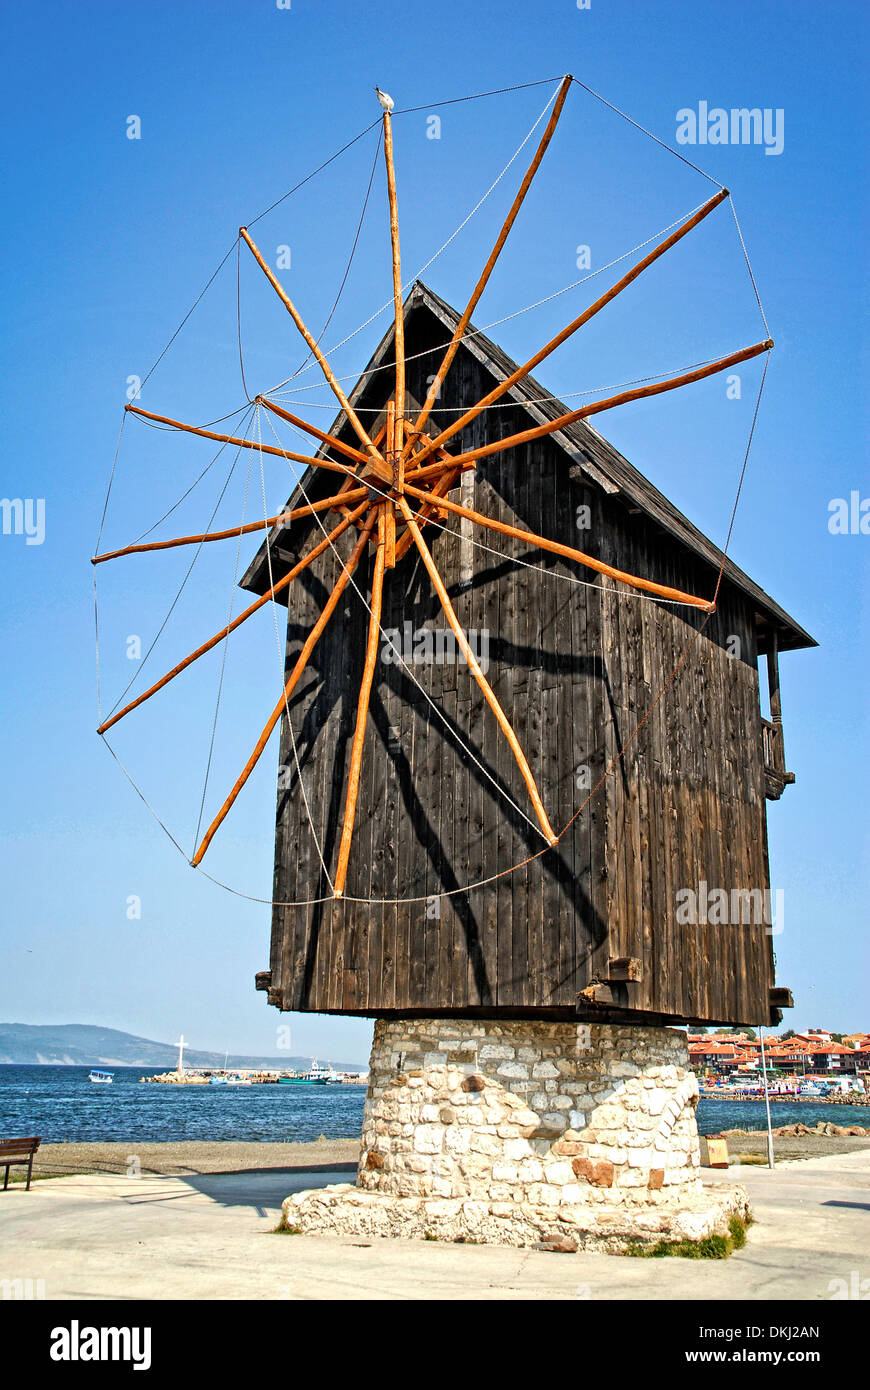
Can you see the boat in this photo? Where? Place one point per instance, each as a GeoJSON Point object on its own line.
{"type": "Point", "coordinates": [102, 1078]}
{"type": "Point", "coordinates": [314, 1076]}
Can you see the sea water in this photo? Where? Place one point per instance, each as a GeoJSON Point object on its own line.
{"type": "Point", "coordinates": [61, 1105]}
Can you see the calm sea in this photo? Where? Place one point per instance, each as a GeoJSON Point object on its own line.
{"type": "Point", "coordinates": [61, 1104]}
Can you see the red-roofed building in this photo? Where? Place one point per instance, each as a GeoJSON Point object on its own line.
{"type": "Point", "coordinates": [809, 1054]}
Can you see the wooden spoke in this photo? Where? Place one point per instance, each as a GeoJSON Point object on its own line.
{"type": "Point", "coordinates": [242, 443]}
{"type": "Point", "coordinates": [459, 331]}
{"type": "Point", "coordinates": [242, 617]}
{"type": "Point", "coordinates": [330, 439]}
{"type": "Point", "coordinates": [443, 485]}
{"type": "Point", "coordinates": [362, 706]}
{"type": "Point", "coordinates": [324, 505]}
{"type": "Point", "coordinates": [389, 510]}
{"type": "Point", "coordinates": [469, 459]}
{"type": "Point", "coordinates": [521, 372]}
{"type": "Point", "coordinates": [429, 509]}
{"type": "Point", "coordinates": [301, 663]}
{"type": "Point", "coordinates": [376, 461]}
{"type": "Point", "coordinates": [474, 667]}
{"type": "Point", "coordinates": [398, 311]}
{"type": "Point", "coordinates": [543, 543]}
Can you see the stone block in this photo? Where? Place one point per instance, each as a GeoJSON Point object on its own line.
{"type": "Point", "coordinates": [513, 1071]}
{"type": "Point", "coordinates": [597, 1172]}
{"type": "Point", "coordinates": [428, 1139]}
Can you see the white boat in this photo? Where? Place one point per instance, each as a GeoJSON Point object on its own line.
{"type": "Point", "coordinates": [102, 1078]}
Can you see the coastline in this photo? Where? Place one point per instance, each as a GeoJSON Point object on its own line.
{"type": "Point", "coordinates": [191, 1157]}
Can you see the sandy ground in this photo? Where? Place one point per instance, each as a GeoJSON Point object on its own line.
{"type": "Point", "coordinates": [338, 1155]}
{"type": "Point", "coordinates": [787, 1146]}
{"type": "Point", "coordinates": [320, 1156]}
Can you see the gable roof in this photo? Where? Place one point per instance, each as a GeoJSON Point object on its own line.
{"type": "Point", "coordinates": [598, 460]}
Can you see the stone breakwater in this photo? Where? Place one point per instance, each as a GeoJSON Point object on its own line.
{"type": "Point", "coordinates": [824, 1127]}
{"type": "Point", "coordinates": [515, 1132]}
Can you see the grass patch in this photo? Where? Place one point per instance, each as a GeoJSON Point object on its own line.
{"type": "Point", "coordinates": [757, 1159]}
{"type": "Point", "coordinates": [285, 1229]}
{"type": "Point", "coordinates": [710, 1248]}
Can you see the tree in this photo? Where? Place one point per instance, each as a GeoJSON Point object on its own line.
{"type": "Point", "coordinates": [787, 1035]}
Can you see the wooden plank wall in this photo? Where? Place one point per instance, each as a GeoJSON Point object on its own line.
{"type": "Point", "coordinates": [575, 667]}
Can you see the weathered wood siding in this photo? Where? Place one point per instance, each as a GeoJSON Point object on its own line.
{"type": "Point", "coordinates": [575, 667]}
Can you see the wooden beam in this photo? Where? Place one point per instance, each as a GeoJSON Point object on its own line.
{"type": "Point", "coordinates": [429, 509]}
{"type": "Point", "coordinates": [459, 331]}
{"type": "Point", "coordinates": [474, 667]}
{"type": "Point", "coordinates": [624, 970]}
{"type": "Point", "coordinates": [243, 617]}
{"type": "Point", "coordinates": [621, 284]}
{"type": "Point", "coordinates": [376, 460]}
{"type": "Point", "coordinates": [301, 663]}
{"type": "Point", "coordinates": [389, 510]}
{"type": "Point", "coordinates": [780, 997]}
{"type": "Point", "coordinates": [443, 485]}
{"type": "Point", "coordinates": [544, 543]}
{"type": "Point", "coordinates": [242, 443]}
{"type": "Point", "coordinates": [775, 693]}
{"type": "Point", "coordinates": [340, 447]}
{"type": "Point", "coordinates": [553, 426]}
{"type": "Point", "coordinates": [362, 707]}
{"type": "Point", "coordinates": [398, 309]}
{"type": "Point", "coordinates": [283, 518]}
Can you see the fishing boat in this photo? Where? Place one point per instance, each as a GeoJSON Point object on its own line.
{"type": "Point", "coordinates": [315, 1076]}
{"type": "Point", "coordinates": [102, 1078]}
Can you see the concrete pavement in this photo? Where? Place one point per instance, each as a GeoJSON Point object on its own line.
{"type": "Point", "coordinates": [109, 1236]}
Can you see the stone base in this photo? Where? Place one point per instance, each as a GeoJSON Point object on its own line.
{"type": "Point", "coordinates": [346, 1210]}
{"type": "Point", "coordinates": [523, 1133]}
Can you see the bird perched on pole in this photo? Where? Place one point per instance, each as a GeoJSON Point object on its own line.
{"type": "Point", "coordinates": [385, 99]}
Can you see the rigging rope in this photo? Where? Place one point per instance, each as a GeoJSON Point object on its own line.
{"type": "Point", "coordinates": [638, 126]}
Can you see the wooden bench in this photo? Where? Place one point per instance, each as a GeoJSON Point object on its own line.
{"type": "Point", "coordinates": [18, 1151]}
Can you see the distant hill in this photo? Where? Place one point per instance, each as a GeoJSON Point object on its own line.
{"type": "Point", "coordinates": [84, 1045]}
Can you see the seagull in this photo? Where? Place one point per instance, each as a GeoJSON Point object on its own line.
{"type": "Point", "coordinates": [385, 99]}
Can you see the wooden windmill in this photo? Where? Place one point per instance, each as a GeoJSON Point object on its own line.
{"type": "Point", "coordinates": [505, 841]}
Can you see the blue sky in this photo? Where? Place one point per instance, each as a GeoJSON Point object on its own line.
{"type": "Point", "coordinates": [106, 243]}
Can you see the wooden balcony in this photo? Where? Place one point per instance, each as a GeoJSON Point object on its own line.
{"type": "Point", "coordinates": [776, 779]}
